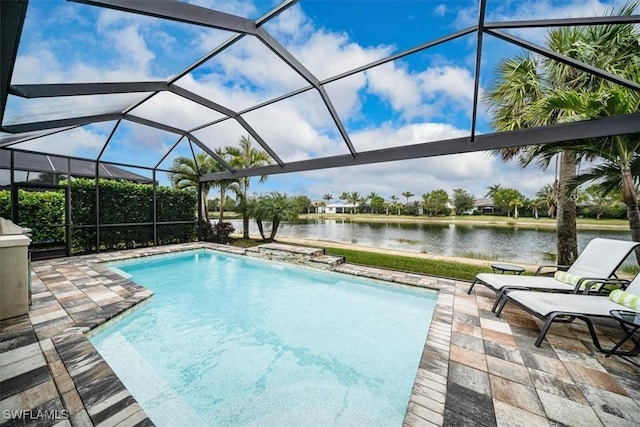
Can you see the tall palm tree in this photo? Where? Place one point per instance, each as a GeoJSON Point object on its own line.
{"type": "Point", "coordinates": [616, 153]}
{"type": "Point", "coordinates": [243, 157]}
{"type": "Point", "coordinates": [354, 199]}
{"type": "Point", "coordinates": [327, 197]}
{"type": "Point", "coordinates": [408, 194]}
{"type": "Point", "coordinates": [526, 81]}
{"type": "Point", "coordinates": [613, 48]}
{"type": "Point", "coordinates": [185, 173]}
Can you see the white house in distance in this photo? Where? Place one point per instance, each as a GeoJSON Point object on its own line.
{"type": "Point", "coordinates": [336, 208]}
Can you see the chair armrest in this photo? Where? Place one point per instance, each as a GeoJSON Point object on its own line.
{"type": "Point", "coordinates": [557, 267]}
{"type": "Point", "coordinates": [600, 282]}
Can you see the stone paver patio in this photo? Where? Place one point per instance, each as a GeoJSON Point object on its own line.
{"type": "Point", "coordinates": [476, 369]}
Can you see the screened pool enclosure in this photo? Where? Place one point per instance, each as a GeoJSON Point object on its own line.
{"type": "Point", "coordinates": [117, 90]}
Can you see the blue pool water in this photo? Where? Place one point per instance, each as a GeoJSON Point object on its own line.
{"type": "Point", "coordinates": [228, 340]}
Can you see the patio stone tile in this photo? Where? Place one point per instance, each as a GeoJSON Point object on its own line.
{"type": "Point", "coordinates": [467, 341]}
{"type": "Point", "coordinates": [546, 364]}
{"type": "Point", "coordinates": [31, 398]}
{"type": "Point", "coordinates": [64, 383]}
{"type": "Point", "coordinates": [510, 354]}
{"type": "Point", "coordinates": [512, 416]}
{"type": "Point", "coordinates": [597, 378]}
{"type": "Point", "coordinates": [81, 419]}
{"type": "Point", "coordinates": [516, 394]}
{"type": "Point", "coordinates": [20, 360]}
{"type": "Point", "coordinates": [560, 386]}
{"type": "Point", "coordinates": [466, 318]}
{"type": "Point", "coordinates": [72, 401]}
{"type": "Point", "coordinates": [571, 344]}
{"type": "Point", "coordinates": [612, 406]}
{"type": "Point", "coordinates": [502, 338]}
{"type": "Point", "coordinates": [469, 377]}
{"type": "Point", "coordinates": [465, 406]}
{"type": "Point", "coordinates": [20, 382]}
{"type": "Point", "coordinates": [412, 420]}
{"type": "Point", "coordinates": [427, 390]}
{"type": "Point", "coordinates": [572, 358]}
{"type": "Point", "coordinates": [517, 319]}
{"type": "Point", "coordinates": [464, 356]}
{"type": "Point", "coordinates": [568, 412]}
{"type": "Point", "coordinates": [428, 403]}
{"type": "Point", "coordinates": [42, 318]}
{"type": "Point", "coordinates": [509, 370]}
{"type": "Point", "coordinates": [496, 325]}
{"type": "Point", "coordinates": [17, 340]}
{"type": "Point", "coordinates": [467, 329]}
{"type": "Point", "coordinates": [424, 413]}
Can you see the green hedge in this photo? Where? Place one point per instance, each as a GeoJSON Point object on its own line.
{"type": "Point", "coordinates": [37, 209]}
{"type": "Point", "coordinates": [121, 202]}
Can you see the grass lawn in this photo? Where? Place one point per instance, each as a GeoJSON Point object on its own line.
{"type": "Point", "coordinates": [449, 269]}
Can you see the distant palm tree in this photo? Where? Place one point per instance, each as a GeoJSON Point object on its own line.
{"type": "Point", "coordinates": [408, 194]}
{"type": "Point", "coordinates": [354, 199]}
{"type": "Point", "coordinates": [547, 196]}
{"type": "Point", "coordinates": [185, 174]}
{"type": "Point", "coordinates": [492, 190]}
{"type": "Point", "coordinates": [244, 157]}
{"type": "Point", "coordinates": [327, 197]}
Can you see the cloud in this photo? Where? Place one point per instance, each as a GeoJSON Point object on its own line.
{"type": "Point", "coordinates": [440, 10]}
{"type": "Point", "coordinates": [420, 102]}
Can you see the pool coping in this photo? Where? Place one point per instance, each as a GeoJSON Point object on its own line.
{"type": "Point", "coordinates": [80, 382]}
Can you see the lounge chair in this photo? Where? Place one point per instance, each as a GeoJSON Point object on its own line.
{"type": "Point", "coordinates": [599, 260]}
{"type": "Point", "coordinates": [550, 306]}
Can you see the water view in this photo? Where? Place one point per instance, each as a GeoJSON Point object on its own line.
{"type": "Point", "coordinates": [527, 245]}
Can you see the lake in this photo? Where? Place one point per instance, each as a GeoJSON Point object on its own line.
{"type": "Point", "coordinates": [527, 245]}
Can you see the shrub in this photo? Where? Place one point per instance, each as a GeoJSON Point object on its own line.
{"type": "Point", "coordinates": [121, 202]}
{"type": "Point", "coordinates": [221, 231]}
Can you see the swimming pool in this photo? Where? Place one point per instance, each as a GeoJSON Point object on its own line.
{"type": "Point", "coordinates": [231, 340]}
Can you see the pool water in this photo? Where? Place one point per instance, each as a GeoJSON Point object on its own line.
{"type": "Point", "coordinates": [229, 340]}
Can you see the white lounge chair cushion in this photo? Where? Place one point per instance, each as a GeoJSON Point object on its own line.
{"type": "Point", "coordinates": [627, 299]}
{"type": "Point", "coordinates": [545, 303]}
{"type": "Point", "coordinates": [499, 281]}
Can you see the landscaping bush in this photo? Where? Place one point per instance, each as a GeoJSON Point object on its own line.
{"type": "Point", "coordinates": [37, 209]}
{"type": "Point", "coordinates": [124, 202]}
{"type": "Point", "coordinates": [121, 202]}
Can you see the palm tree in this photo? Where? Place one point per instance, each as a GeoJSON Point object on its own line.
{"type": "Point", "coordinates": [394, 203]}
{"type": "Point", "coordinates": [492, 190]}
{"type": "Point", "coordinates": [614, 49]}
{"type": "Point", "coordinates": [354, 199]}
{"type": "Point", "coordinates": [244, 157]}
{"type": "Point", "coordinates": [185, 173]}
{"type": "Point", "coordinates": [274, 208]}
{"type": "Point", "coordinates": [616, 155]}
{"type": "Point", "coordinates": [547, 196]}
{"type": "Point", "coordinates": [327, 197]}
{"type": "Point", "coordinates": [526, 81]}
{"type": "Point", "coordinates": [408, 194]}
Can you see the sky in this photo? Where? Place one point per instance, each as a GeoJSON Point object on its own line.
{"type": "Point", "coordinates": [426, 96]}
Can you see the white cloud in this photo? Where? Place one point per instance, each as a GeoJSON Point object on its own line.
{"type": "Point", "coordinates": [440, 10]}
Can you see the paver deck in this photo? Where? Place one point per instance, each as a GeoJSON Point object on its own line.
{"type": "Point", "coordinates": [476, 369]}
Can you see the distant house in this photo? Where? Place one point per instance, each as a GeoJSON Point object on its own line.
{"type": "Point", "coordinates": [337, 208]}
{"type": "Point", "coordinates": [483, 206]}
